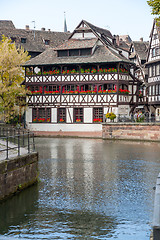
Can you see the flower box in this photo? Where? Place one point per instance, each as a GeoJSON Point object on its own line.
{"type": "Point", "coordinates": [96, 120]}
{"type": "Point", "coordinates": [61, 120]}
{"type": "Point", "coordinates": [126, 92]}
{"type": "Point", "coordinates": [78, 120]}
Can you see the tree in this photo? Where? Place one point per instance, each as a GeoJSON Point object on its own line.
{"type": "Point", "coordinates": [155, 5]}
{"type": "Point", "coordinates": [11, 77]}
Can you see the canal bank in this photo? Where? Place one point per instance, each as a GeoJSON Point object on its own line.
{"type": "Point", "coordinates": [131, 131]}
{"type": "Point", "coordinates": [113, 131]}
{"type": "Point", "coordinates": [18, 161]}
{"type": "Point", "coordinates": [17, 173]}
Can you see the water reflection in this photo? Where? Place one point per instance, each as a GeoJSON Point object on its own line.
{"type": "Point", "coordinates": [18, 209]}
{"type": "Point", "coordinates": [91, 189]}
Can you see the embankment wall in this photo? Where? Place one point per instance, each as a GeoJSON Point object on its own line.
{"type": "Point", "coordinates": [17, 173]}
{"type": "Point", "coordinates": [131, 131]}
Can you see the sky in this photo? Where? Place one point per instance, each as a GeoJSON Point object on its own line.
{"type": "Point", "coordinates": [120, 17]}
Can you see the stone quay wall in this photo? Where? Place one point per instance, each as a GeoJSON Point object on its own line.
{"type": "Point", "coordinates": [131, 131]}
{"type": "Point", "coordinates": [17, 173]}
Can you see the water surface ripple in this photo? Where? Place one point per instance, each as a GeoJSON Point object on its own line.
{"type": "Point", "coordinates": [89, 189]}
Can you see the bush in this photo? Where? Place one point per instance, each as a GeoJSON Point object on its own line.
{"type": "Point", "coordinates": [111, 116]}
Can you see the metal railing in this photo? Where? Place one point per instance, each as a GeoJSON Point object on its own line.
{"type": "Point", "coordinates": [131, 119]}
{"type": "Point", "coordinates": [16, 139]}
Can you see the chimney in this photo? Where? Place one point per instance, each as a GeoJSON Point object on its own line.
{"type": "Point", "coordinates": [49, 30]}
{"type": "Point", "coordinates": [43, 29]}
{"type": "Point", "coordinates": [117, 39]}
{"type": "Point", "coordinates": [141, 39]}
{"type": "Point", "coordinates": [27, 27]}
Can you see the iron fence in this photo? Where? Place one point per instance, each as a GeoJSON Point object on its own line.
{"type": "Point", "coordinates": [16, 139]}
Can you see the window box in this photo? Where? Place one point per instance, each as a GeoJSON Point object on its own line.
{"type": "Point", "coordinates": [78, 120]}
{"type": "Point", "coordinates": [61, 120]}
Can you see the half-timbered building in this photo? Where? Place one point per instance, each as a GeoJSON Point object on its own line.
{"type": "Point", "coordinates": [73, 86]}
{"type": "Point", "coordinates": [138, 54]}
{"type": "Point", "coordinates": [153, 66]}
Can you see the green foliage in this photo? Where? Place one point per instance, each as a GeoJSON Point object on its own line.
{"type": "Point", "coordinates": [155, 5]}
{"type": "Point", "coordinates": [11, 77]}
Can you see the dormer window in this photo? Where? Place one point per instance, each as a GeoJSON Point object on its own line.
{"type": "Point", "coordinates": [62, 53]}
{"type": "Point", "coordinates": [74, 52]}
{"type": "Point", "coordinates": [23, 40]}
{"type": "Point", "coordinates": [46, 42]}
{"type": "Point", "coordinates": [13, 39]}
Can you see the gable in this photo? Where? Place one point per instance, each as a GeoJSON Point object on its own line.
{"type": "Point", "coordinates": [154, 48]}
{"type": "Point", "coordinates": [83, 32]}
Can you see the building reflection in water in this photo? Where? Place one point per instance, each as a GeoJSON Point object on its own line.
{"type": "Point", "coordinates": [88, 176]}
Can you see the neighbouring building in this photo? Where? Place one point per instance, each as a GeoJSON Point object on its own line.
{"type": "Point", "coordinates": [138, 54]}
{"type": "Point", "coordinates": [75, 84]}
{"type": "Point", "coordinates": [153, 66]}
{"type": "Point", "coordinates": [34, 41]}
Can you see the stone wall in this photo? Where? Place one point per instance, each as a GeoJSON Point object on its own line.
{"type": "Point", "coordinates": [17, 173]}
{"type": "Point", "coordinates": [131, 131]}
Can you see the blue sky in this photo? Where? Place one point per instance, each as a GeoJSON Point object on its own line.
{"type": "Point", "coordinates": [121, 17]}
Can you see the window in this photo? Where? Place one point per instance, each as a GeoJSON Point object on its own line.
{"type": "Point", "coordinates": [13, 39]}
{"type": "Point", "coordinates": [61, 115]}
{"type": "Point", "coordinates": [68, 88]}
{"type": "Point", "coordinates": [157, 51]}
{"type": "Point", "coordinates": [153, 70]}
{"type": "Point", "coordinates": [63, 53]}
{"type": "Point", "coordinates": [41, 115]}
{"type": "Point", "coordinates": [153, 52]}
{"type": "Point", "coordinates": [156, 89]}
{"type": "Point", "coordinates": [123, 86]}
{"type": "Point", "coordinates": [153, 90]}
{"type": "Point", "coordinates": [157, 70]}
{"type": "Point", "coordinates": [74, 52]}
{"type": "Point", "coordinates": [78, 115]}
{"type": "Point", "coordinates": [150, 71]}
{"type": "Point", "coordinates": [51, 88]}
{"type": "Point", "coordinates": [109, 86]}
{"type": "Point", "coordinates": [23, 40]}
{"type": "Point", "coordinates": [97, 114]}
{"type": "Point", "coordinates": [35, 89]}
{"type": "Point", "coordinates": [85, 51]}
{"type": "Point", "coordinates": [155, 36]}
{"type": "Point", "coordinates": [47, 42]}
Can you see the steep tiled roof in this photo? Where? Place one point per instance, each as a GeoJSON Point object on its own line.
{"type": "Point", "coordinates": [141, 48]}
{"type": "Point", "coordinates": [101, 55]}
{"type": "Point", "coordinates": [77, 44]}
{"type": "Point", "coordinates": [7, 24]}
{"type": "Point", "coordinates": [101, 31]}
{"type": "Point", "coordinates": [124, 45]}
{"type": "Point", "coordinates": [125, 38]}
{"type": "Point", "coordinates": [33, 44]}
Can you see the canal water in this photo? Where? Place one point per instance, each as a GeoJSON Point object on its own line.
{"type": "Point", "coordinates": [88, 189]}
